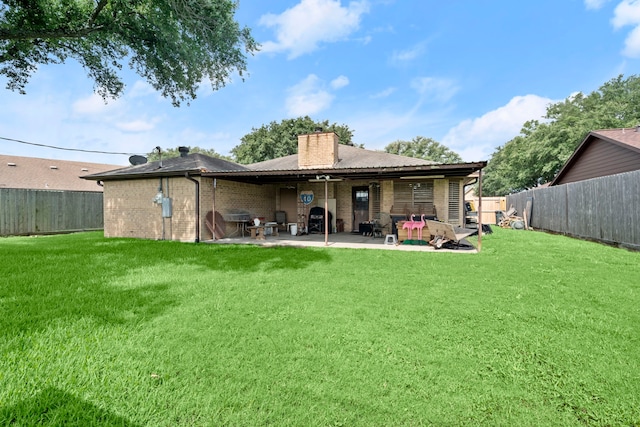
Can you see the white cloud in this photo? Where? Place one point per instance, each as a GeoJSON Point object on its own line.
{"type": "Point", "coordinates": [339, 82]}
{"type": "Point", "coordinates": [117, 113]}
{"type": "Point", "coordinates": [307, 97]}
{"type": "Point", "coordinates": [365, 40]}
{"type": "Point", "coordinates": [140, 89]}
{"type": "Point", "coordinates": [632, 44]}
{"type": "Point", "coordinates": [74, 125]}
{"type": "Point", "coordinates": [72, 121]}
{"type": "Point", "coordinates": [204, 139]}
{"type": "Point", "coordinates": [594, 4]}
{"type": "Point", "coordinates": [384, 93]}
{"type": "Point", "coordinates": [93, 104]}
{"type": "Point", "coordinates": [475, 139]}
{"type": "Point", "coordinates": [303, 27]}
{"type": "Point", "coordinates": [435, 89]}
{"type": "Point", "coordinates": [409, 54]}
{"type": "Point", "coordinates": [627, 13]}
{"type": "Point", "coordinates": [139, 125]}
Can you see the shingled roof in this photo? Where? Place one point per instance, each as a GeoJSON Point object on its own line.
{"type": "Point", "coordinates": [349, 157]}
{"type": "Point", "coordinates": [194, 164]}
{"type": "Point", "coordinates": [353, 163]}
{"type": "Point", "coordinates": [46, 174]}
{"type": "Point", "coordinates": [627, 137]}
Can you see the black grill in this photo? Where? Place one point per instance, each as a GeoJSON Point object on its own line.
{"type": "Point", "coordinates": [316, 220]}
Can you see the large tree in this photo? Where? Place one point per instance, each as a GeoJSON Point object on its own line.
{"type": "Point", "coordinates": [424, 148]}
{"type": "Point", "coordinates": [174, 44]}
{"type": "Point", "coordinates": [536, 155]}
{"type": "Point", "coordinates": [281, 139]}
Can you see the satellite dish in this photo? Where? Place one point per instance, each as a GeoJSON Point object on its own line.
{"type": "Point", "coordinates": [137, 160]}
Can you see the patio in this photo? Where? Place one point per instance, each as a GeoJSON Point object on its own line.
{"type": "Point", "coordinates": [338, 240]}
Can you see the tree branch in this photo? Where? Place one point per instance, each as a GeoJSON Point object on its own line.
{"type": "Point", "coordinates": [50, 34]}
{"type": "Point", "coordinates": [101, 4]}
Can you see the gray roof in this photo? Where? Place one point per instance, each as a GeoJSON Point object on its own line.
{"type": "Point", "coordinates": [349, 157]}
{"type": "Point", "coordinates": [353, 162]}
{"type": "Point", "coordinates": [195, 164]}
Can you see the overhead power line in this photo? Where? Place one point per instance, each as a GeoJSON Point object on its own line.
{"type": "Point", "coordinates": [65, 149]}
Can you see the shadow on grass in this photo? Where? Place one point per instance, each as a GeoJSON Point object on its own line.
{"type": "Point", "coordinates": [48, 282]}
{"type": "Point", "coordinates": [243, 258]}
{"type": "Point", "coordinates": [73, 276]}
{"type": "Point", "coordinates": [54, 407]}
{"type": "Point", "coordinates": [229, 257]}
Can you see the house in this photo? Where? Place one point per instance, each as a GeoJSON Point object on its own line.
{"type": "Point", "coordinates": [171, 199]}
{"type": "Point", "coordinates": [44, 174]}
{"type": "Point", "coordinates": [602, 153]}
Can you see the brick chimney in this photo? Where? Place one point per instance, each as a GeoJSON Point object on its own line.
{"type": "Point", "coordinates": [317, 150]}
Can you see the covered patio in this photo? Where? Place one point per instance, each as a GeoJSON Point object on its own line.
{"type": "Point", "coordinates": [339, 240]}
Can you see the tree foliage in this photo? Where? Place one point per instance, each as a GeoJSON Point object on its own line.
{"type": "Point", "coordinates": [281, 139]}
{"type": "Point", "coordinates": [424, 148]}
{"type": "Point", "coordinates": [536, 155]}
{"type": "Point", "coordinates": [173, 44]}
{"type": "Point", "coordinates": [168, 153]}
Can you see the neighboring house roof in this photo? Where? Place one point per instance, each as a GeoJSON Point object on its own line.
{"type": "Point", "coordinates": [195, 164]}
{"type": "Point", "coordinates": [602, 153]}
{"type": "Point", "coordinates": [46, 174]}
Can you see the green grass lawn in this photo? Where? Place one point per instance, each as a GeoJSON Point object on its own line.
{"type": "Point", "coordinates": [537, 330]}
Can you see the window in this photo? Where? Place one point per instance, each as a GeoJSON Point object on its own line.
{"type": "Point", "coordinates": [413, 197]}
{"type": "Point", "coordinates": [362, 196]}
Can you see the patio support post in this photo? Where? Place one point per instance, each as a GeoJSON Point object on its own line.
{"type": "Point", "coordinates": [480, 210]}
{"type": "Point", "coordinates": [213, 207]}
{"type": "Point", "coordinates": [326, 211]}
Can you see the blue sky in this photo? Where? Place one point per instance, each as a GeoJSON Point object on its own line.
{"type": "Point", "coordinates": [467, 73]}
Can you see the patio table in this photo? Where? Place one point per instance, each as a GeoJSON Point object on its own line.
{"type": "Point", "coordinates": [258, 231]}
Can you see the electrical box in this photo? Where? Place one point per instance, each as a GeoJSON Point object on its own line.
{"type": "Point", "coordinates": [166, 207]}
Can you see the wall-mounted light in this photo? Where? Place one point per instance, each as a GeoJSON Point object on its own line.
{"type": "Point", "coordinates": [325, 178]}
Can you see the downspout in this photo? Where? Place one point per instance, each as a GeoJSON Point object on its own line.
{"type": "Point", "coordinates": [186, 175]}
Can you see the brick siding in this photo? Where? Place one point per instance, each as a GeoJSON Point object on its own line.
{"type": "Point", "coordinates": [317, 150]}
{"type": "Point", "coordinates": [129, 210]}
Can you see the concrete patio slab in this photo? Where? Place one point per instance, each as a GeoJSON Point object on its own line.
{"type": "Point", "coordinates": [338, 240]}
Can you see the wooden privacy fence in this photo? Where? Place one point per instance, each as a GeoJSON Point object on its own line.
{"type": "Point", "coordinates": [24, 212]}
{"type": "Point", "coordinates": [489, 207]}
{"type": "Point", "coordinates": [606, 209]}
